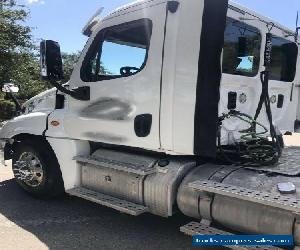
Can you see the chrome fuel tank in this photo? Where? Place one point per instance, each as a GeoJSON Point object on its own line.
{"type": "Point", "coordinates": [240, 213]}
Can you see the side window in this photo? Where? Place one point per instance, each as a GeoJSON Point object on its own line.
{"type": "Point", "coordinates": [242, 46]}
{"type": "Point", "coordinates": [284, 60]}
{"type": "Point", "coordinates": [118, 51]}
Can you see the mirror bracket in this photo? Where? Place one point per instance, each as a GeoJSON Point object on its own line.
{"type": "Point", "coordinates": [80, 93]}
{"type": "Point", "coordinates": [10, 90]}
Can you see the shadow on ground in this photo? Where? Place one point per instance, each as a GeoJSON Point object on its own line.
{"type": "Point", "coordinates": [72, 223]}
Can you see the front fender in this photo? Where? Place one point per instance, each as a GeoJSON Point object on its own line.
{"type": "Point", "coordinates": [33, 123]}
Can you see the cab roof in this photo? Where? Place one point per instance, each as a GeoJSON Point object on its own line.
{"type": "Point", "coordinates": [232, 5]}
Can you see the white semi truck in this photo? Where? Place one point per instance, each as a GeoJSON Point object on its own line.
{"type": "Point", "coordinates": [173, 107]}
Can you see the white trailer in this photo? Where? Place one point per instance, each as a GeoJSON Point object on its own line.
{"type": "Point", "coordinates": [156, 116]}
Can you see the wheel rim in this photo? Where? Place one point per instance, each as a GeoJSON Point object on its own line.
{"type": "Point", "coordinates": [29, 169]}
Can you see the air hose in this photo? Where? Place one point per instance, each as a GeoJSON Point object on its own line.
{"type": "Point", "coordinates": [254, 148]}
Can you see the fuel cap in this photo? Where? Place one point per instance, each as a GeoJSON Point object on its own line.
{"type": "Point", "coordinates": [286, 188]}
{"type": "Point", "coordinates": [163, 163]}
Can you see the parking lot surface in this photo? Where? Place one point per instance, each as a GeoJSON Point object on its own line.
{"type": "Point", "coordinates": [73, 223]}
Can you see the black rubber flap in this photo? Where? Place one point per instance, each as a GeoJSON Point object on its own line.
{"type": "Point", "coordinates": [209, 77]}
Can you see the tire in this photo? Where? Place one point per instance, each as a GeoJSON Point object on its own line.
{"type": "Point", "coordinates": [36, 169]}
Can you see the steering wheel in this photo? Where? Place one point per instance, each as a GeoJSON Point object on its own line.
{"type": "Point", "coordinates": [127, 70]}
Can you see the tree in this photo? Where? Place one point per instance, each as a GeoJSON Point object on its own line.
{"type": "Point", "coordinates": [27, 74]}
{"type": "Point", "coordinates": [18, 63]}
{"type": "Point", "coordinates": [14, 35]}
{"type": "Point", "coordinates": [69, 61]}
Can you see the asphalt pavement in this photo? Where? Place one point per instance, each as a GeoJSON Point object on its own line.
{"type": "Point", "coordinates": [73, 223]}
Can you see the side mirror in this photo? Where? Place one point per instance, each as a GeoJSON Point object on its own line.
{"type": "Point", "coordinates": [51, 60]}
{"type": "Point", "coordinates": [10, 88]}
{"type": "Point", "coordinates": [52, 70]}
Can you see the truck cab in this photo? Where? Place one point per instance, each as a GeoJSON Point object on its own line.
{"type": "Point", "coordinates": [137, 125]}
{"type": "Point", "coordinates": [139, 95]}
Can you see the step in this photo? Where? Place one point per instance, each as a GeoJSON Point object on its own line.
{"type": "Point", "coordinates": [116, 164]}
{"type": "Point", "coordinates": [273, 200]}
{"type": "Point", "coordinates": [108, 201]}
{"type": "Point", "coordinates": [196, 228]}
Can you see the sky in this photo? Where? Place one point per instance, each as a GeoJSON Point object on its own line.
{"type": "Point", "coordinates": [63, 20]}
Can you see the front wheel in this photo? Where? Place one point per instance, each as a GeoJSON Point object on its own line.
{"type": "Point", "coordinates": [36, 169]}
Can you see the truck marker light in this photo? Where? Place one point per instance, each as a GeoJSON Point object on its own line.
{"type": "Point", "coordinates": [55, 123]}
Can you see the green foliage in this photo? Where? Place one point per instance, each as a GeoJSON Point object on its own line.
{"type": "Point", "coordinates": [23, 69]}
{"type": "Point", "coordinates": [18, 64]}
{"type": "Point", "coordinates": [13, 34]}
{"type": "Point", "coordinates": [69, 61]}
{"type": "Point", "coordinates": [8, 109]}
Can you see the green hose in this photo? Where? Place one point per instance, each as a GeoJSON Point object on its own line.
{"type": "Point", "coordinates": [253, 149]}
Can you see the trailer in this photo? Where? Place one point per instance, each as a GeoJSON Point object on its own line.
{"type": "Point", "coordinates": [173, 107]}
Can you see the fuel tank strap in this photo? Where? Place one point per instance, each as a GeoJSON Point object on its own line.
{"type": "Point", "coordinates": [223, 172]}
{"type": "Point", "coordinates": [206, 201]}
{"type": "Point", "coordinates": [116, 164]}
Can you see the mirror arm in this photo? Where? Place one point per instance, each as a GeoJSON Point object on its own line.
{"type": "Point", "coordinates": [80, 93]}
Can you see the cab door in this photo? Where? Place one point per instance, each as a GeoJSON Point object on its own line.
{"type": "Point", "coordinates": [243, 59]}
{"type": "Point", "coordinates": [242, 63]}
{"type": "Point", "coordinates": [122, 66]}
{"type": "Point", "coordinates": [283, 95]}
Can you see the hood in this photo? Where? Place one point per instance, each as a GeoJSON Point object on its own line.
{"type": "Point", "coordinates": [44, 101]}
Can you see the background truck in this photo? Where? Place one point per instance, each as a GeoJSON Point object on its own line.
{"type": "Point", "coordinates": [173, 107]}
